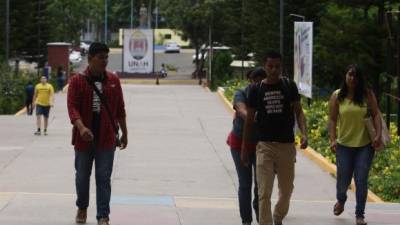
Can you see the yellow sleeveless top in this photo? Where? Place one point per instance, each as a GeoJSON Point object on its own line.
{"type": "Point", "coordinates": [352, 131]}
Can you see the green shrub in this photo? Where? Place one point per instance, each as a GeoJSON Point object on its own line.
{"type": "Point", "coordinates": [12, 90]}
{"type": "Point", "coordinates": [221, 69]}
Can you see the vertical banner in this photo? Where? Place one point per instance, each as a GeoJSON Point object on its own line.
{"type": "Point", "coordinates": [303, 49]}
{"type": "Point", "coordinates": [138, 51]}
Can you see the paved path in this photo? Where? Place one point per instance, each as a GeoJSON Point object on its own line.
{"type": "Point", "coordinates": [177, 169]}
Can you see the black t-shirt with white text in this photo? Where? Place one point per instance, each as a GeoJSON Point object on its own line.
{"type": "Point", "coordinates": [274, 107]}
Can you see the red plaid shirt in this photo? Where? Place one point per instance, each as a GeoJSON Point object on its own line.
{"type": "Point", "coordinates": [80, 101]}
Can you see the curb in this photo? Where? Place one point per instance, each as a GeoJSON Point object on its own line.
{"type": "Point", "coordinates": [228, 105]}
{"type": "Point", "coordinates": [311, 154]}
{"type": "Point", "coordinates": [20, 112]}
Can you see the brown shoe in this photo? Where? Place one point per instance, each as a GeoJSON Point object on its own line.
{"type": "Point", "coordinates": [81, 216]}
{"type": "Point", "coordinates": [338, 208]}
{"type": "Point", "coordinates": [103, 221]}
{"type": "Point", "coordinates": [360, 221]}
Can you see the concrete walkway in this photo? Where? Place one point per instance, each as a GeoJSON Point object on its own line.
{"type": "Point", "coordinates": [177, 169]}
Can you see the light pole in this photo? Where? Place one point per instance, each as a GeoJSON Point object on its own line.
{"type": "Point", "coordinates": [394, 44]}
{"type": "Point", "coordinates": [298, 16]}
{"type": "Point", "coordinates": [241, 38]}
{"type": "Point", "coordinates": [281, 26]}
{"type": "Point", "coordinates": [156, 14]}
{"type": "Point", "coordinates": [105, 21]}
{"type": "Point", "coordinates": [131, 14]}
{"type": "Point", "coordinates": [7, 30]}
{"type": "Point", "coordinates": [39, 31]}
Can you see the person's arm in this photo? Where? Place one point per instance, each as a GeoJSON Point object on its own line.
{"type": "Point", "coordinates": [332, 121]}
{"type": "Point", "coordinates": [73, 105]}
{"type": "Point", "coordinates": [301, 122]}
{"type": "Point", "coordinates": [241, 109]}
{"type": "Point", "coordinates": [85, 132]}
{"type": "Point", "coordinates": [51, 95]}
{"type": "Point", "coordinates": [124, 136]}
{"type": "Point", "coordinates": [375, 113]}
{"type": "Point", "coordinates": [34, 98]}
{"type": "Point", "coordinates": [247, 132]}
{"type": "Point", "coordinates": [239, 104]}
{"type": "Point", "coordinates": [121, 117]}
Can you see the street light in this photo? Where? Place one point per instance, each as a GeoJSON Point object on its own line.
{"type": "Point", "coordinates": [131, 14]}
{"type": "Point", "coordinates": [241, 38]}
{"type": "Point", "coordinates": [281, 25]}
{"type": "Point", "coordinates": [298, 16]}
{"type": "Point", "coordinates": [105, 21]}
{"type": "Point", "coordinates": [397, 58]}
{"type": "Point", "coordinates": [7, 30]}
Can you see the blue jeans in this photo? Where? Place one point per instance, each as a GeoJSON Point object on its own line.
{"type": "Point", "coordinates": [357, 161]}
{"type": "Point", "coordinates": [245, 175]}
{"type": "Point", "coordinates": [104, 160]}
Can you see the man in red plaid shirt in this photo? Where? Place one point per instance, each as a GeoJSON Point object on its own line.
{"type": "Point", "coordinates": [93, 134]}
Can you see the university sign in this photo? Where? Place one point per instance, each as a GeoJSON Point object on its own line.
{"type": "Point", "coordinates": [303, 51]}
{"type": "Point", "coordinates": [138, 51]}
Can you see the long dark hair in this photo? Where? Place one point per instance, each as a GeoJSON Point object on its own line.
{"type": "Point", "coordinates": [360, 90]}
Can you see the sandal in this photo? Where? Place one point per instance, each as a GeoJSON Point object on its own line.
{"type": "Point", "coordinates": [338, 208]}
{"type": "Point", "coordinates": [360, 221]}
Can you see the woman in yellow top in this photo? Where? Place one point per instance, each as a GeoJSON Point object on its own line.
{"type": "Point", "coordinates": [353, 147]}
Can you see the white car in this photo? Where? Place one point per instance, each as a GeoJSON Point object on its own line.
{"type": "Point", "coordinates": [172, 46]}
{"type": "Point", "coordinates": [75, 57]}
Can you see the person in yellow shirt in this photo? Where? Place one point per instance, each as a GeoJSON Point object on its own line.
{"type": "Point", "coordinates": [43, 99]}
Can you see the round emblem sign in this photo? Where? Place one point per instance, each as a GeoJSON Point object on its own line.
{"type": "Point", "coordinates": [138, 45]}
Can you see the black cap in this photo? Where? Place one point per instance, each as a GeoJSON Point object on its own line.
{"type": "Point", "coordinates": [98, 47]}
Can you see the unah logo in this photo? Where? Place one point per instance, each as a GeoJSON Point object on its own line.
{"type": "Point", "coordinates": [138, 45]}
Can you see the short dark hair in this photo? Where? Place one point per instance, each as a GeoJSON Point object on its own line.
{"type": "Point", "coordinates": [249, 73]}
{"type": "Point", "coordinates": [98, 47]}
{"type": "Point", "coordinates": [272, 55]}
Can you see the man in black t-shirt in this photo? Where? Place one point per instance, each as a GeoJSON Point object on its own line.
{"type": "Point", "coordinates": [276, 102]}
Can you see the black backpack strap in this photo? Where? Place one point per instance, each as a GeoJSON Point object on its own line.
{"type": "Point", "coordinates": [103, 101]}
{"type": "Point", "coordinates": [287, 87]}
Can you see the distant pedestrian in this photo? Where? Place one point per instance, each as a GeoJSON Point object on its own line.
{"type": "Point", "coordinates": [274, 104]}
{"type": "Point", "coordinates": [29, 92]}
{"type": "Point", "coordinates": [43, 100]}
{"type": "Point", "coordinates": [94, 119]}
{"type": "Point", "coordinates": [245, 173]}
{"type": "Point", "coordinates": [349, 106]}
{"type": "Point", "coordinates": [60, 78]}
{"type": "Point", "coordinates": [163, 71]}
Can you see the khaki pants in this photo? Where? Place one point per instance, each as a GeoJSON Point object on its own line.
{"type": "Point", "coordinates": [274, 158]}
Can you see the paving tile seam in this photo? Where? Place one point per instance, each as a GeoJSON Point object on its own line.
{"type": "Point", "coordinates": [216, 153]}
{"type": "Point", "coordinates": [193, 198]}
{"type": "Point", "coordinates": [8, 202]}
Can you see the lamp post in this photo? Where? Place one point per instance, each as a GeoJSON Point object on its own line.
{"type": "Point", "coordinates": [39, 31]}
{"type": "Point", "coordinates": [131, 14]}
{"type": "Point", "coordinates": [303, 18]}
{"type": "Point", "coordinates": [105, 21]}
{"type": "Point", "coordinates": [242, 38]}
{"type": "Point", "coordinates": [7, 30]}
{"type": "Point", "coordinates": [281, 27]}
{"type": "Point", "coordinates": [394, 44]}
